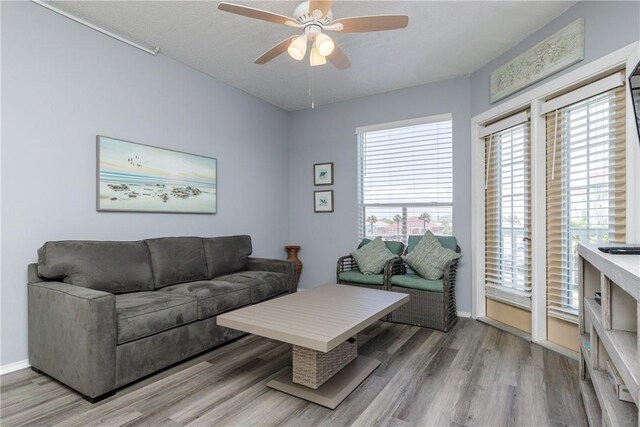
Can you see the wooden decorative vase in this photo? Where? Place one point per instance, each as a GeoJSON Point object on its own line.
{"type": "Point", "coordinates": [292, 255]}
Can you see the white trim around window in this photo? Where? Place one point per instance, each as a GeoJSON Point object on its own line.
{"type": "Point", "coordinates": [405, 123]}
{"type": "Point", "coordinates": [534, 99]}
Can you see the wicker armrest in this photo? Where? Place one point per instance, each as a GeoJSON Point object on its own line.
{"type": "Point", "coordinates": [391, 268]}
{"type": "Point", "coordinates": [450, 271]}
{"type": "Point", "coordinates": [345, 263]}
{"type": "Point", "coordinates": [398, 266]}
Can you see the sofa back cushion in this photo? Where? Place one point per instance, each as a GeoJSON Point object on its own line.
{"type": "Point", "coordinates": [115, 267]}
{"type": "Point", "coordinates": [177, 260]}
{"type": "Point", "coordinates": [227, 254]}
{"type": "Point", "coordinates": [396, 248]}
{"type": "Point", "coordinates": [449, 242]}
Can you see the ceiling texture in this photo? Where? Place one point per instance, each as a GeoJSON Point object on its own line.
{"type": "Point", "coordinates": [444, 39]}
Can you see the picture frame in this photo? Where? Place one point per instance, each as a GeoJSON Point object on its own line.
{"type": "Point", "coordinates": [134, 177]}
{"type": "Point", "coordinates": [323, 173]}
{"type": "Point", "coordinates": [323, 201]}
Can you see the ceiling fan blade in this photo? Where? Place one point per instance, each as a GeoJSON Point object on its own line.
{"type": "Point", "coordinates": [339, 59]}
{"type": "Point", "coordinates": [275, 51]}
{"type": "Point", "coordinates": [263, 15]}
{"type": "Point", "coordinates": [323, 5]}
{"type": "Point", "coordinates": [361, 24]}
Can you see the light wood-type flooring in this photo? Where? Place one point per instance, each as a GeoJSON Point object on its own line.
{"type": "Point", "coordinates": [474, 375]}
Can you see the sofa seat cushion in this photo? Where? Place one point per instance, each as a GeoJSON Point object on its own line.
{"type": "Point", "coordinates": [263, 284]}
{"type": "Point", "coordinates": [414, 281]}
{"type": "Point", "coordinates": [140, 314]}
{"type": "Point", "coordinates": [213, 296]}
{"type": "Point", "coordinates": [355, 276]}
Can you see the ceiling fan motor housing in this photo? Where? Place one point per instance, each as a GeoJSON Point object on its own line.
{"type": "Point", "coordinates": [304, 16]}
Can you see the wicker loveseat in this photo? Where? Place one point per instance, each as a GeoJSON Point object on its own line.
{"type": "Point", "coordinates": [432, 303]}
{"type": "Point", "coordinates": [347, 272]}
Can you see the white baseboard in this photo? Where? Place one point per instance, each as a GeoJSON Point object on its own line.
{"type": "Point", "coordinates": [15, 366]}
{"type": "Point", "coordinates": [464, 314]}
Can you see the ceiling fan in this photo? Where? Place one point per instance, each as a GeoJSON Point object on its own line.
{"type": "Point", "coordinates": [314, 17]}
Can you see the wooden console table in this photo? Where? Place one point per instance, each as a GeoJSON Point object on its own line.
{"type": "Point", "coordinates": [609, 332]}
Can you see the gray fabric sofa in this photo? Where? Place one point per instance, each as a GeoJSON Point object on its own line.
{"type": "Point", "coordinates": [104, 314]}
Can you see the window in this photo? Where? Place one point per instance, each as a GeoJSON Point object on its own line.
{"type": "Point", "coordinates": [406, 179]}
{"type": "Point", "coordinates": [508, 213]}
{"type": "Point", "coordinates": [586, 191]}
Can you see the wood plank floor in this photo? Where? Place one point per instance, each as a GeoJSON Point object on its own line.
{"type": "Point", "coordinates": [475, 375]}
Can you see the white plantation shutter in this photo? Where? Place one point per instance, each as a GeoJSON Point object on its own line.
{"type": "Point", "coordinates": [586, 193]}
{"type": "Point", "coordinates": [404, 173]}
{"type": "Point", "coordinates": [508, 212]}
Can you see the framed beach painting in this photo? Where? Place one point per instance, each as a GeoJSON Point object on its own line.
{"type": "Point", "coordinates": [323, 201]}
{"type": "Point", "coordinates": [323, 174]}
{"type": "Point", "coordinates": [135, 177]}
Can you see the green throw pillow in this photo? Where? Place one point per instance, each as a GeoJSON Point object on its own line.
{"type": "Point", "coordinates": [372, 256]}
{"type": "Point", "coordinates": [428, 258]}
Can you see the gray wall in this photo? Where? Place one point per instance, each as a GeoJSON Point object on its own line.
{"type": "Point", "coordinates": [63, 84]}
{"type": "Point", "coordinates": [327, 134]}
{"type": "Point", "coordinates": [608, 26]}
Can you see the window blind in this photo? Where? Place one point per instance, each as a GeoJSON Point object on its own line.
{"type": "Point", "coordinates": [508, 215]}
{"type": "Point", "coordinates": [586, 194]}
{"type": "Point", "coordinates": [406, 180]}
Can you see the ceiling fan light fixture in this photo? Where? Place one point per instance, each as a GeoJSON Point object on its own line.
{"type": "Point", "coordinates": [298, 48]}
{"type": "Point", "coordinates": [315, 58]}
{"type": "Point", "coordinates": [314, 17]}
{"type": "Point", "coordinates": [324, 44]}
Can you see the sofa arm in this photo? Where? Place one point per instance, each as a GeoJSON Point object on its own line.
{"type": "Point", "coordinates": [278, 266]}
{"type": "Point", "coordinates": [72, 335]}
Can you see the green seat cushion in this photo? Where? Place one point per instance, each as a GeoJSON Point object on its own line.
{"type": "Point", "coordinates": [413, 281]}
{"type": "Point", "coordinates": [395, 247]}
{"type": "Point", "coordinates": [429, 257]}
{"type": "Point", "coordinates": [354, 276]}
{"type": "Point", "coordinates": [372, 257]}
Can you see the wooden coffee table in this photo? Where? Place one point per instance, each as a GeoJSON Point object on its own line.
{"type": "Point", "coordinates": [321, 324]}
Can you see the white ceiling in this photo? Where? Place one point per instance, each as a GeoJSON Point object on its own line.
{"type": "Point", "coordinates": [444, 39]}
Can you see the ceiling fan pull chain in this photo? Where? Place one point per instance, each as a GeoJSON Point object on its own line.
{"type": "Point", "coordinates": [312, 91]}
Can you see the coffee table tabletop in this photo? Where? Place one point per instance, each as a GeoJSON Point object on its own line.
{"type": "Point", "coordinates": [320, 318]}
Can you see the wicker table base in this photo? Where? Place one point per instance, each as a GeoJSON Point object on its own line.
{"type": "Point", "coordinates": [313, 368]}
{"type": "Point", "coordinates": [334, 390]}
